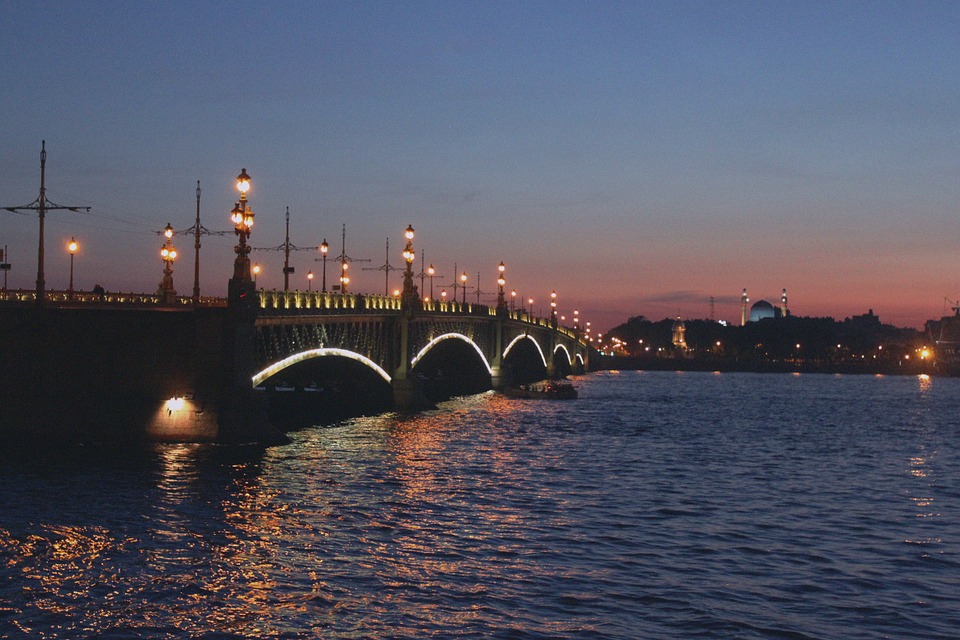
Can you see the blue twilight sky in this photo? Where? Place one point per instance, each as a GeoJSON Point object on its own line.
{"type": "Point", "coordinates": [637, 157]}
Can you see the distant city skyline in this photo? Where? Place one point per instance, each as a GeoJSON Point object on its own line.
{"type": "Point", "coordinates": [637, 158]}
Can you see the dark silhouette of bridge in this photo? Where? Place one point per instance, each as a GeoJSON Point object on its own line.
{"type": "Point", "coordinates": [92, 364]}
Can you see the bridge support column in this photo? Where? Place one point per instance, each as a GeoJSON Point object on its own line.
{"type": "Point", "coordinates": [242, 414]}
{"type": "Point", "coordinates": [407, 391]}
{"type": "Point", "coordinates": [497, 379]}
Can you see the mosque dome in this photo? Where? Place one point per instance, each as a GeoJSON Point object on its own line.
{"type": "Point", "coordinates": [762, 309]}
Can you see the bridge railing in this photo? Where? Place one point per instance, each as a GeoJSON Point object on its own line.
{"type": "Point", "coordinates": [113, 298]}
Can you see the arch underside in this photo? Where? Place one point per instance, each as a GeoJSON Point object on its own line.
{"type": "Point", "coordinates": [370, 341]}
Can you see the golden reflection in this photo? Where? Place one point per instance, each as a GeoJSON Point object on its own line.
{"type": "Point", "coordinates": [926, 382]}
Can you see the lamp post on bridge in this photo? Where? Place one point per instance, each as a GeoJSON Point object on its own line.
{"type": "Point", "coordinates": [256, 272]}
{"type": "Point", "coordinates": [501, 301]}
{"type": "Point", "coordinates": [463, 285]}
{"type": "Point", "coordinates": [168, 254]}
{"type": "Point", "coordinates": [553, 309]}
{"type": "Point", "coordinates": [409, 296]}
{"type": "Point", "coordinates": [324, 247]}
{"type": "Point", "coordinates": [72, 247]}
{"type": "Point", "coordinates": [241, 288]}
{"type": "Point", "coordinates": [309, 280]}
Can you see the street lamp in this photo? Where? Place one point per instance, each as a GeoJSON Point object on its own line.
{"type": "Point", "coordinates": [430, 272]}
{"type": "Point", "coordinates": [501, 301]}
{"type": "Point", "coordinates": [242, 218]}
{"type": "Point", "coordinates": [410, 294]}
{"type": "Point", "coordinates": [324, 247]}
{"type": "Point", "coordinates": [463, 285]}
{"type": "Point", "coordinates": [513, 300]}
{"type": "Point", "coordinates": [530, 306]}
{"type": "Point", "coordinates": [168, 254]}
{"type": "Point", "coordinates": [256, 272]}
{"type": "Point", "coordinates": [443, 295]}
{"type": "Point", "coordinates": [309, 280]}
{"type": "Point", "coordinates": [72, 247]}
{"type": "Point", "coordinates": [344, 278]}
{"type": "Point", "coordinates": [553, 308]}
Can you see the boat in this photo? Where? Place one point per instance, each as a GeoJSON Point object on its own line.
{"type": "Point", "coordinates": [542, 391]}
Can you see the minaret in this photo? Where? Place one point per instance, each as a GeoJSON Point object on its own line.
{"type": "Point", "coordinates": [743, 308]}
{"type": "Point", "coordinates": [783, 304]}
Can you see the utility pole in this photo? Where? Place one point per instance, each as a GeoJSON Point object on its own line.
{"type": "Point", "coordinates": [5, 267]}
{"type": "Point", "coordinates": [198, 230]}
{"type": "Point", "coordinates": [286, 247]}
{"type": "Point", "coordinates": [345, 260]}
{"type": "Point", "coordinates": [41, 206]}
{"type": "Point", "coordinates": [386, 268]}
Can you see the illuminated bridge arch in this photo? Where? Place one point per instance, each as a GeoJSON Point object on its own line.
{"type": "Point", "coordinates": [566, 351]}
{"type": "Point", "coordinates": [289, 361]}
{"type": "Point", "coordinates": [448, 336]}
{"type": "Point", "coordinates": [543, 357]}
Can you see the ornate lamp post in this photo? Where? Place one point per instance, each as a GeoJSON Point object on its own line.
{"type": "Point", "coordinates": [72, 247]}
{"type": "Point", "coordinates": [431, 272]}
{"type": "Point", "coordinates": [242, 218]}
{"type": "Point", "coordinates": [513, 300]}
{"type": "Point", "coordinates": [501, 301]}
{"type": "Point", "coordinates": [309, 280]}
{"type": "Point", "coordinates": [463, 285]}
{"type": "Point", "coordinates": [324, 247]}
{"type": "Point", "coordinates": [344, 278]}
{"type": "Point", "coordinates": [256, 272]}
{"type": "Point", "coordinates": [168, 254]}
{"type": "Point", "coordinates": [410, 294]}
{"type": "Point", "coordinates": [443, 295]}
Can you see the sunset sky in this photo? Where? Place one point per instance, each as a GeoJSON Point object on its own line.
{"type": "Point", "coordinates": [637, 157]}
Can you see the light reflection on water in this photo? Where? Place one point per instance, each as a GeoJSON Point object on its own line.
{"type": "Point", "coordinates": [656, 505]}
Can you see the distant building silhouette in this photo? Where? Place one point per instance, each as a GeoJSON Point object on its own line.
{"type": "Point", "coordinates": [762, 309]}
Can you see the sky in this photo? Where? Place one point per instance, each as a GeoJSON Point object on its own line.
{"type": "Point", "coordinates": [637, 158]}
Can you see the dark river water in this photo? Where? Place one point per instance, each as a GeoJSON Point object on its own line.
{"type": "Point", "coordinates": [658, 505]}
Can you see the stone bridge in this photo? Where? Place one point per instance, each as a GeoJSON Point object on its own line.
{"type": "Point", "coordinates": [397, 342]}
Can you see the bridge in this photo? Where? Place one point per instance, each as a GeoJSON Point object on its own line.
{"type": "Point", "coordinates": [218, 369]}
{"type": "Point", "coordinates": [162, 366]}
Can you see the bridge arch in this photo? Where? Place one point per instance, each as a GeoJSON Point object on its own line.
{"type": "Point", "coordinates": [566, 351]}
{"type": "Point", "coordinates": [448, 336]}
{"type": "Point", "coordinates": [513, 342]}
{"type": "Point", "coordinates": [289, 361]}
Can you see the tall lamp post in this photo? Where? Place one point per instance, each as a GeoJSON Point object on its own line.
{"type": "Point", "coordinates": [409, 294]}
{"type": "Point", "coordinates": [72, 247]}
{"type": "Point", "coordinates": [324, 247]}
{"type": "Point", "coordinates": [431, 272]}
{"type": "Point", "coordinates": [501, 301]}
{"type": "Point", "coordinates": [309, 280]}
{"type": "Point", "coordinates": [513, 299]}
{"type": "Point", "coordinates": [242, 218]}
{"type": "Point", "coordinates": [553, 308]}
{"type": "Point", "coordinates": [256, 272]}
{"type": "Point", "coordinates": [168, 254]}
{"type": "Point", "coordinates": [463, 285]}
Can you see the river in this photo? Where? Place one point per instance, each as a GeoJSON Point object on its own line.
{"type": "Point", "coordinates": [657, 505]}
